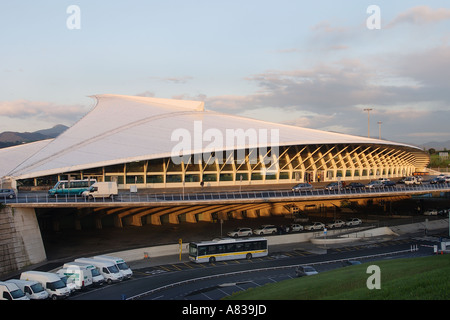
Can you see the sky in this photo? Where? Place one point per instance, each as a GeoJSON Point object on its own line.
{"type": "Point", "coordinates": [315, 64]}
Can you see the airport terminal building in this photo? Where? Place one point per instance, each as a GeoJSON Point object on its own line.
{"type": "Point", "coordinates": [164, 143]}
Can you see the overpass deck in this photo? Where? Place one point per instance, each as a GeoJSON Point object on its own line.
{"type": "Point", "coordinates": [211, 198]}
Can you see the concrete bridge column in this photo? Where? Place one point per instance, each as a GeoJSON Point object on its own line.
{"type": "Point", "coordinates": [205, 216]}
{"type": "Point", "coordinates": [20, 239]}
{"type": "Point", "coordinates": [252, 213]}
{"type": "Point", "coordinates": [118, 221]}
{"type": "Point", "coordinates": [98, 223]}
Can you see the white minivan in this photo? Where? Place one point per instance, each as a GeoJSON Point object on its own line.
{"type": "Point", "coordinates": [10, 291]}
{"type": "Point", "coordinates": [51, 282]}
{"type": "Point", "coordinates": [102, 190]}
{"type": "Point", "coordinates": [32, 289]}
{"type": "Point", "coordinates": [108, 269]}
{"type": "Point", "coordinates": [95, 275]}
{"type": "Point", "coordinates": [120, 263]}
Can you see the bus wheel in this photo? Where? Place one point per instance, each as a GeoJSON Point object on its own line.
{"type": "Point", "coordinates": [248, 256]}
{"type": "Point", "coordinates": [212, 259]}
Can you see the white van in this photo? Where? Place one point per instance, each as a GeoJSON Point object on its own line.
{"type": "Point", "coordinates": [102, 190]}
{"type": "Point", "coordinates": [32, 289]}
{"type": "Point", "coordinates": [80, 277]}
{"type": "Point", "coordinates": [120, 263]}
{"type": "Point", "coordinates": [50, 281]}
{"type": "Point", "coordinates": [108, 269]}
{"type": "Point", "coordinates": [93, 273]}
{"type": "Point", "coordinates": [69, 282]}
{"type": "Point", "coordinates": [10, 291]}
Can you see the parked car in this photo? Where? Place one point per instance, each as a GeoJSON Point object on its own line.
{"type": "Point", "coordinates": [351, 262]}
{"type": "Point", "coordinates": [295, 227]}
{"type": "Point", "coordinates": [384, 179]}
{"type": "Point", "coordinates": [353, 222]}
{"type": "Point", "coordinates": [412, 181]}
{"type": "Point", "coordinates": [432, 212]}
{"type": "Point", "coordinates": [336, 224]}
{"type": "Point", "coordinates": [355, 186]}
{"type": "Point", "coordinates": [437, 180]}
{"type": "Point", "coordinates": [389, 183]}
{"type": "Point", "coordinates": [375, 184]}
{"type": "Point", "coordinates": [302, 187]}
{"type": "Point", "coordinates": [240, 232]}
{"type": "Point", "coordinates": [334, 186]}
{"type": "Point", "coordinates": [265, 229]}
{"type": "Point", "coordinates": [302, 271]}
{"type": "Point", "coordinates": [315, 226]}
{"type": "Point", "coordinates": [7, 193]}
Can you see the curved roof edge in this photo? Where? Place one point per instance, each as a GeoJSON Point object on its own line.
{"type": "Point", "coordinates": [187, 104]}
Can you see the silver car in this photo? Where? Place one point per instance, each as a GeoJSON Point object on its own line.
{"type": "Point", "coordinates": [302, 187]}
{"type": "Point", "coordinates": [353, 222]}
{"type": "Point", "coordinates": [302, 271]}
{"type": "Point", "coordinates": [240, 232]}
{"type": "Point", "coordinates": [7, 193]}
{"type": "Point", "coordinates": [315, 226]}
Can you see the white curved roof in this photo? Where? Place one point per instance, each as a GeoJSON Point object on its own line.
{"type": "Point", "coordinates": [121, 129]}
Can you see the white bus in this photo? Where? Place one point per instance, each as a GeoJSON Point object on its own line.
{"type": "Point", "coordinates": [227, 249]}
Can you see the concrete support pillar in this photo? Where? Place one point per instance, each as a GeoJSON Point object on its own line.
{"type": "Point", "coordinates": [252, 214]}
{"type": "Point", "coordinates": [22, 245]}
{"type": "Point", "coordinates": [118, 221]}
{"type": "Point", "coordinates": [156, 220]}
{"type": "Point", "coordinates": [264, 212]}
{"type": "Point", "coordinates": [55, 224]}
{"type": "Point", "coordinates": [98, 223]}
{"type": "Point", "coordinates": [136, 220]}
{"type": "Point", "coordinates": [77, 224]}
{"type": "Point", "coordinates": [173, 218]}
{"type": "Point", "coordinates": [222, 215]}
{"type": "Point", "coordinates": [190, 217]}
{"type": "Point", "coordinates": [237, 215]}
{"type": "Point", "coordinates": [205, 216]}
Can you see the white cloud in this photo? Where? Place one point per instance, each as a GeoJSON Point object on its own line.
{"type": "Point", "coordinates": [420, 15]}
{"type": "Point", "coordinates": [40, 113]}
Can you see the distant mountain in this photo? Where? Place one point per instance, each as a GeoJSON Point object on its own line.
{"type": "Point", "coordinates": [11, 138]}
{"type": "Point", "coordinates": [437, 145]}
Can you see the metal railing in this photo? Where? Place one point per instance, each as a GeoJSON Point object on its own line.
{"type": "Point", "coordinates": [232, 195]}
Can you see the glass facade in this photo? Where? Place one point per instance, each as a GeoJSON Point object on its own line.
{"type": "Point", "coordinates": [293, 164]}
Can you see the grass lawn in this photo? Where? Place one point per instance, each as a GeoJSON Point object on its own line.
{"type": "Point", "coordinates": [401, 279]}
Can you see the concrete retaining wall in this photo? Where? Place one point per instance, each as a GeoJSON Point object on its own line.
{"type": "Point", "coordinates": [20, 239]}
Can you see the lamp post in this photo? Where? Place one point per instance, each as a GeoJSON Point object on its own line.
{"type": "Point", "coordinates": [379, 129]}
{"type": "Point", "coordinates": [368, 121]}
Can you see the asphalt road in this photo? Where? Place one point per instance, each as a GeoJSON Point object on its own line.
{"type": "Point", "coordinates": [190, 281]}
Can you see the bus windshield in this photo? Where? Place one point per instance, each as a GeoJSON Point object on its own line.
{"type": "Point", "coordinates": [193, 250]}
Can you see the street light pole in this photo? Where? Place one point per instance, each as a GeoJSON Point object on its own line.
{"type": "Point", "coordinates": [368, 121]}
{"type": "Point", "coordinates": [379, 129]}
